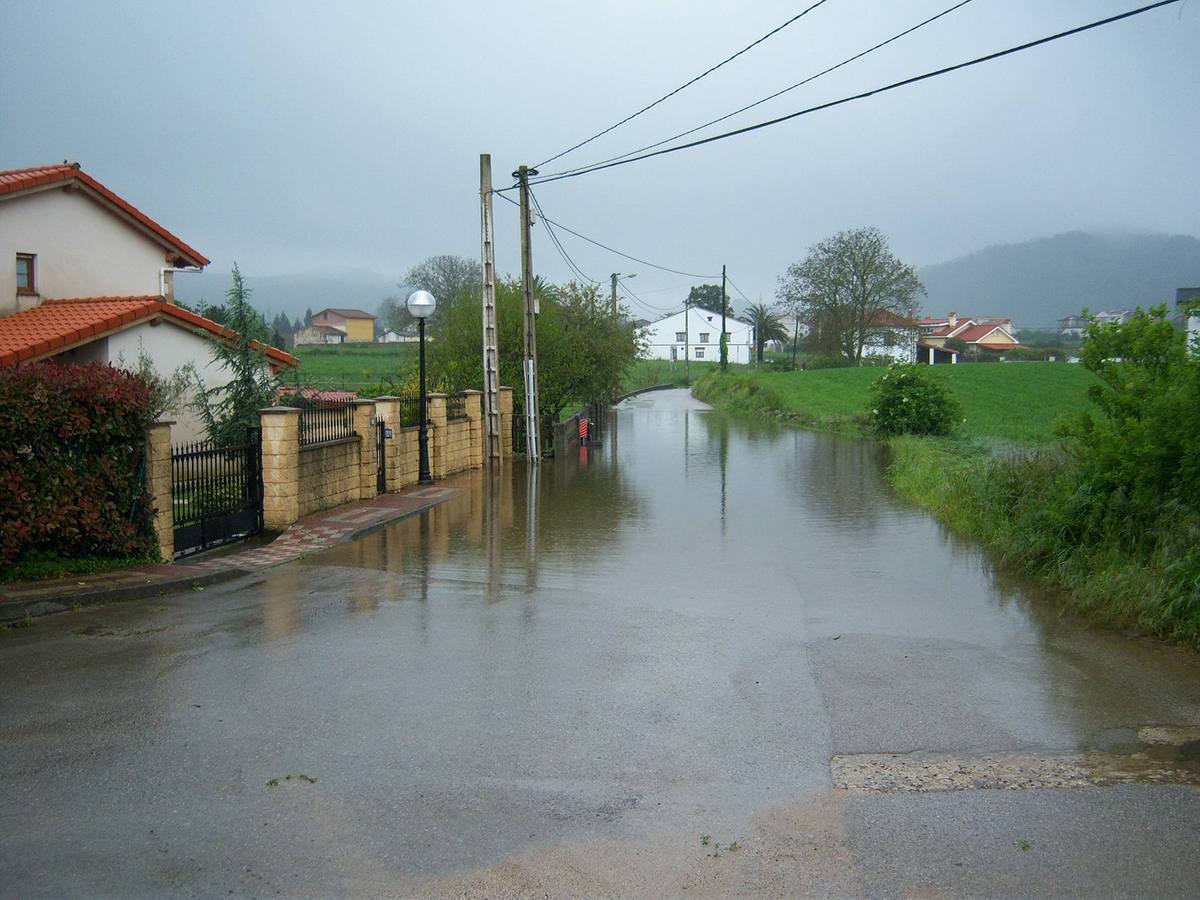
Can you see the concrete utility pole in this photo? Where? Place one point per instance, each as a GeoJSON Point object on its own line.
{"type": "Point", "coordinates": [724, 342]}
{"type": "Point", "coordinates": [491, 353]}
{"type": "Point", "coordinates": [533, 443]}
{"type": "Point", "coordinates": [615, 276]}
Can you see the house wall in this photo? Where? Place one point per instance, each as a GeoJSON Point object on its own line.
{"type": "Point", "coordinates": [660, 337]}
{"type": "Point", "coordinates": [360, 331]}
{"type": "Point", "coordinates": [82, 249]}
{"type": "Point", "coordinates": [898, 345]}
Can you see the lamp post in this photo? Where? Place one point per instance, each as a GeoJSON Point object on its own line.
{"type": "Point", "coordinates": [617, 276]}
{"type": "Point", "coordinates": [421, 305]}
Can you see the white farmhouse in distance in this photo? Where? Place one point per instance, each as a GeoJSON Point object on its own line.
{"type": "Point", "coordinates": [695, 334]}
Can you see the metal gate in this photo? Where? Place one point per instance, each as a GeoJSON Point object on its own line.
{"type": "Point", "coordinates": [381, 436]}
{"type": "Point", "coordinates": [216, 492]}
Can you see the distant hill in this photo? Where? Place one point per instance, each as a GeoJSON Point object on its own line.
{"type": "Point", "coordinates": [1037, 282]}
{"type": "Point", "coordinates": [291, 293]}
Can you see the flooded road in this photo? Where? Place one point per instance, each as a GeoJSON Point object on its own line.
{"type": "Point", "coordinates": [703, 658]}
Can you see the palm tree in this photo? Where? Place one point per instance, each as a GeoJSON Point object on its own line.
{"type": "Point", "coordinates": [767, 324]}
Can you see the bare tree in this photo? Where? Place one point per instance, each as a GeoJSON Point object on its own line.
{"type": "Point", "coordinates": [848, 288]}
{"type": "Point", "coordinates": [450, 279]}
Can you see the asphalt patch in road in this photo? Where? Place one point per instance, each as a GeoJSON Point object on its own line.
{"type": "Point", "coordinates": [1156, 754]}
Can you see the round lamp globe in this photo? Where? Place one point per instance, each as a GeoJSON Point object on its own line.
{"type": "Point", "coordinates": [421, 304]}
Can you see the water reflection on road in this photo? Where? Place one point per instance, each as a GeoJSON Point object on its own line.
{"type": "Point", "coordinates": [584, 667]}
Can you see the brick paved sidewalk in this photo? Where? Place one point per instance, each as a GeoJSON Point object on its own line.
{"type": "Point", "coordinates": [311, 534]}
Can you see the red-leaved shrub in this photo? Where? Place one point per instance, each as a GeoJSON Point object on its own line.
{"type": "Point", "coordinates": [72, 450]}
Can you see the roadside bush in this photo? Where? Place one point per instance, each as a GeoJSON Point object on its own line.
{"type": "Point", "coordinates": [909, 400]}
{"type": "Point", "coordinates": [72, 448]}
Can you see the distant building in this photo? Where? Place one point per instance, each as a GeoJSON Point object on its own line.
{"type": "Point", "coordinates": [318, 334]}
{"type": "Point", "coordinates": [694, 334]}
{"type": "Point", "coordinates": [984, 333]}
{"type": "Point", "coordinates": [356, 325]}
{"type": "Point", "coordinates": [1190, 297]}
{"type": "Point", "coordinates": [892, 338]}
{"type": "Point", "coordinates": [405, 336]}
{"type": "Point", "coordinates": [1072, 326]}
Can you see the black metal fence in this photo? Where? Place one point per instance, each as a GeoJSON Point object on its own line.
{"type": "Point", "coordinates": [326, 423]}
{"type": "Point", "coordinates": [410, 409]}
{"type": "Point", "coordinates": [456, 407]}
{"type": "Point", "coordinates": [216, 492]}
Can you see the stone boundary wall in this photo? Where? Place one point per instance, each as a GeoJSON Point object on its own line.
{"type": "Point", "coordinates": [300, 480]}
{"type": "Point", "coordinates": [329, 475]}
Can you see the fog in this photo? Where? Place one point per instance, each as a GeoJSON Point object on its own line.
{"type": "Point", "coordinates": [297, 137]}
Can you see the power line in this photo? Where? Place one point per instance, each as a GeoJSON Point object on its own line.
{"type": "Point", "coordinates": [861, 96]}
{"type": "Point", "coordinates": [686, 84]}
{"type": "Point", "coordinates": [635, 259]}
{"type": "Point", "coordinates": [562, 251]}
{"type": "Point", "coordinates": [645, 305]}
{"type": "Point", "coordinates": [736, 288]}
{"type": "Point", "coordinates": [769, 97]}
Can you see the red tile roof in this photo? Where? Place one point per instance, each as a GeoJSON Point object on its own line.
{"type": "Point", "coordinates": [58, 325]}
{"type": "Point", "coordinates": [345, 313]}
{"type": "Point", "coordinates": [13, 181]}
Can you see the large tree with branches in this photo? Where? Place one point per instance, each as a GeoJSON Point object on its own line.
{"type": "Point", "coordinates": [848, 288]}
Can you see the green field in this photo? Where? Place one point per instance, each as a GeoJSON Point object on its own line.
{"type": "Point", "coordinates": [349, 366]}
{"type": "Point", "coordinates": [1008, 402]}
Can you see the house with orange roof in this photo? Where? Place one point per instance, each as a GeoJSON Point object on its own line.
{"type": "Point", "coordinates": [85, 276]}
{"type": "Point", "coordinates": [981, 333]}
{"type": "Point", "coordinates": [357, 326]}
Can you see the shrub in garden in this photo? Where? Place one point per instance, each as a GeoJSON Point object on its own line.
{"type": "Point", "coordinates": [908, 399]}
{"type": "Point", "coordinates": [72, 447]}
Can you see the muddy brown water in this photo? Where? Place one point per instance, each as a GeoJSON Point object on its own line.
{"type": "Point", "coordinates": [703, 657]}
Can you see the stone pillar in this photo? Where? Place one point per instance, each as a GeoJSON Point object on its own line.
{"type": "Point", "coordinates": [506, 421]}
{"type": "Point", "coordinates": [387, 410]}
{"type": "Point", "coordinates": [368, 459]}
{"type": "Point", "coordinates": [158, 486]}
{"type": "Point", "coordinates": [281, 466]}
{"type": "Point", "coordinates": [437, 435]}
{"type": "Point", "coordinates": [473, 400]}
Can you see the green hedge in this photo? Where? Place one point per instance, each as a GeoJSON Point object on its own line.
{"type": "Point", "coordinates": [72, 462]}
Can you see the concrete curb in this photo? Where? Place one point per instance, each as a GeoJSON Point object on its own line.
{"type": "Point", "coordinates": [653, 387]}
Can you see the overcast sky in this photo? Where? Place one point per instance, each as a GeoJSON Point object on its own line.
{"type": "Point", "coordinates": [321, 136]}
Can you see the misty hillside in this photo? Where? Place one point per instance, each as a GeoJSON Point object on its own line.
{"type": "Point", "coordinates": [1037, 282]}
{"type": "Point", "coordinates": [291, 293]}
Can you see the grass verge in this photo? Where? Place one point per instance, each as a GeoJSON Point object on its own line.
{"type": "Point", "coordinates": [38, 568]}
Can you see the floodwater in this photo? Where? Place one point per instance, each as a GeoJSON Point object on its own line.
{"type": "Point", "coordinates": [596, 677]}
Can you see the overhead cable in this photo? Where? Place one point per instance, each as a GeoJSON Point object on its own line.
{"type": "Point", "coordinates": [562, 227]}
{"type": "Point", "coordinates": [769, 97]}
{"type": "Point", "coordinates": [686, 84]}
{"type": "Point", "coordinates": [562, 251]}
{"type": "Point", "coordinates": [861, 96]}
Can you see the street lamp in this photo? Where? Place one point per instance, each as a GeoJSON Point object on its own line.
{"type": "Point", "coordinates": [421, 305]}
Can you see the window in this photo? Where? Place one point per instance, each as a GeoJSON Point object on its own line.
{"type": "Point", "coordinates": [699, 353]}
{"type": "Point", "coordinates": [680, 336]}
{"type": "Point", "coordinates": [704, 336]}
{"type": "Point", "coordinates": [26, 283]}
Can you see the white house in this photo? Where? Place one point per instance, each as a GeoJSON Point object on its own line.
{"type": "Point", "coordinates": [1190, 298]}
{"type": "Point", "coordinates": [695, 333]}
{"type": "Point", "coordinates": [87, 277]}
{"type": "Point", "coordinates": [893, 338]}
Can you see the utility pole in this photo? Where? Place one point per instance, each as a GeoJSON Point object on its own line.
{"type": "Point", "coordinates": [615, 276]}
{"type": "Point", "coordinates": [533, 443]}
{"type": "Point", "coordinates": [724, 342]}
{"type": "Point", "coordinates": [491, 353]}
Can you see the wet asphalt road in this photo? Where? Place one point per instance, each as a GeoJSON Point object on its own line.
{"type": "Point", "coordinates": [596, 681]}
